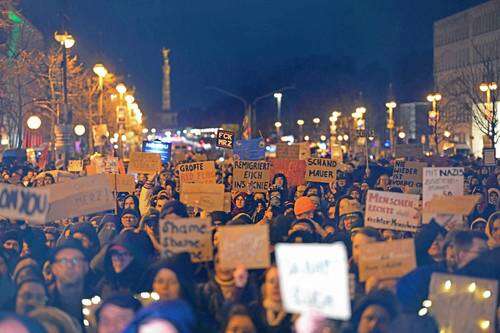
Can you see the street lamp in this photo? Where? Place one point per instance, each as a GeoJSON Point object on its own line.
{"type": "Point", "coordinates": [130, 100]}
{"type": "Point", "coordinates": [278, 126]}
{"type": "Point", "coordinates": [101, 73]}
{"type": "Point", "coordinates": [488, 87]}
{"type": "Point", "coordinates": [316, 121]}
{"type": "Point", "coordinates": [79, 130]}
{"type": "Point", "coordinates": [333, 126]}
{"type": "Point", "coordinates": [402, 135]}
{"type": "Point", "coordinates": [278, 97]}
{"type": "Point", "coordinates": [300, 122]}
{"type": "Point", "coordinates": [63, 129]}
{"type": "Point", "coordinates": [390, 123]}
{"type": "Point", "coordinates": [447, 134]}
{"type": "Point", "coordinates": [34, 122]}
{"type": "Point", "coordinates": [434, 98]}
{"type": "Point", "coordinates": [121, 88]}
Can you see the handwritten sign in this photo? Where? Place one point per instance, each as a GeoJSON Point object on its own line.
{"type": "Point", "coordinates": [438, 182]}
{"type": "Point", "coordinates": [389, 210]}
{"type": "Point", "coordinates": [81, 196]}
{"type": "Point", "coordinates": [251, 176]}
{"type": "Point", "coordinates": [408, 175]}
{"type": "Point", "coordinates": [141, 162]}
{"type": "Point", "coordinates": [197, 172]}
{"type": "Point", "coordinates": [462, 303]}
{"type": "Point", "coordinates": [75, 165]}
{"type": "Point", "coordinates": [321, 170]}
{"type": "Point", "coordinates": [244, 244]}
{"type": "Point", "coordinates": [193, 235]}
{"type": "Point", "coordinates": [385, 260]}
{"type": "Point", "coordinates": [209, 197]}
{"type": "Point", "coordinates": [121, 183]}
{"type": "Point", "coordinates": [225, 139]}
{"type": "Point", "coordinates": [253, 149]}
{"type": "Point", "coordinates": [296, 151]}
{"type": "Point", "coordinates": [314, 277]}
{"type": "Point", "coordinates": [22, 203]}
{"type": "Point", "coordinates": [294, 170]}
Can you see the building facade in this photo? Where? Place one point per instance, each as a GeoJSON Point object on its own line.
{"type": "Point", "coordinates": [412, 119]}
{"type": "Point", "coordinates": [466, 53]}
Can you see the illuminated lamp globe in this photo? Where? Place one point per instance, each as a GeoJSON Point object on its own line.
{"type": "Point", "coordinates": [34, 122]}
{"type": "Point", "coordinates": [79, 130]}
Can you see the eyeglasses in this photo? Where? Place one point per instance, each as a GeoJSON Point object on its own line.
{"type": "Point", "coordinates": [70, 261]}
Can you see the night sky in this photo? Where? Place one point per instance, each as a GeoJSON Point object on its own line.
{"type": "Point", "coordinates": [239, 44]}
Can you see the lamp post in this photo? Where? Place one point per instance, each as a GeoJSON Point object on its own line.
{"type": "Point", "coordinates": [101, 73]}
{"type": "Point", "coordinates": [63, 130]}
{"type": "Point", "coordinates": [278, 131]}
{"type": "Point", "coordinates": [34, 122]}
{"type": "Point", "coordinates": [333, 124]}
{"type": "Point", "coordinates": [278, 97]}
{"type": "Point", "coordinates": [121, 116]}
{"type": "Point", "coordinates": [434, 98]}
{"type": "Point", "coordinates": [488, 88]}
{"type": "Point", "coordinates": [300, 122]}
{"type": "Point", "coordinates": [390, 123]}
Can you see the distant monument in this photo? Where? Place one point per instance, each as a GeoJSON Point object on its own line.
{"type": "Point", "coordinates": [169, 118]}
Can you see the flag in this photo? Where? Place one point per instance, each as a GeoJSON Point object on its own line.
{"type": "Point", "coordinates": [253, 149]}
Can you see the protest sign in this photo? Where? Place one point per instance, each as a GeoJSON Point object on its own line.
{"type": "Point", "coordinates": [121, 183]}
{"type": "Point", "coordinates": [23, 203]}
{"type": "Point", "coordinates": [294, 170]}
{"type": "Point", "coordinates": [160, 147]}
{"type": "Point", "coordinates": [437, 182]}
{"type": "Point", "coordinates": [193, 235]}
{"type": "Point", "coordinates": [225, 139]}
{"type": "Point", "coordinates": [75, 165]}
{"type": "Point", "coordinates": [409, 151]}
{"type": "Point", "coordinates": [81, 196]}
{"type": "Point", "coordinates": [463, 303]}
{"type": "Point", "coordinates": [197, 172]}
{"type": "Point", "coordinates": [390, 210]}
{"type": "Point", "coordinates": [254, 149]}
{"type": "Point", "coordinates": [489, 157]}
{"type": "Point", "coordinates": [244, 244]}
{"type": "Point", "coordinates": [251, 176]}
{"type": "Point", "coordinates": [408, 175]}
{"type": "Point", "coordinates": [209, 197]}
{"type": "Point", "coordinates": [295, 151]}
{"type": "Point", "coordinates": [314, 278]}
{"type": "Point", "coordinates": [321, 170]}
{"type": "Point", "coordinates": [385, 260]}
{"type": "Point", "coordinates": [456, 204]}
{"type": "Point", "coordinates": [141, 162]}
{"type": "Point", "coordinates": [105, 164]}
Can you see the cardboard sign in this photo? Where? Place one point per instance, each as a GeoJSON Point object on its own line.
{"type": "Point", "coordinates": [390, 210]}
{"type": "Point", "coordinates": [462, 303]}
{"type": "Point", "coordinates": [251, 176]}
{"type": "Point", "coordinates": [225, 139]}
{"type": "Point", "coordinates": [141, 162]}
{"type": "Point", "coordinates": [193, 235]}
{"type": "Point", "coordinates": [438, 182]}
{"type": "Point", "coordinates": [254, 149]}
{"type": "Point", "coordinates": [244, 244]}
{"type": "Point", "coordinates": [314, 278]}
{"type": "Point", "coordinates": [23, 203]}
{"type": "Point", "coordinates": [408, 175]}
{"type": "Point", "coordinates": [81, 196]}
{"type": "Point", "coordinates": [410, 151]}
{"type": "Point", "coordinates": [489, 157]}
{"type": "Point", "coordinates": [197, 172]}
{"type": "Point", "coordinates": [457, 204]}
{"type": "Point", "coordinates": [386, 260]}
{"type": "Point", "coordinates": [296, 151]}
{"type": "Point", "coordinates": [121, 183]}
{"type": "Point", "coordinates": [294, 170]}
{"type": "Point", "coordinates": [75, 165]}
{"type": "Point", "coordinates": [209, 197]}
{"type": "Point", "coordinates": [321, 170]}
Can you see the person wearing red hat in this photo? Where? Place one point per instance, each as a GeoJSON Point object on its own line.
{"type": "Point", "coordinates": [304, 212]}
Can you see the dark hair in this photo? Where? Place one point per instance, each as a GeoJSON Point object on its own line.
{"type": "Point", "coordinates": [383, 298]}
{"type": "Point", "coordinates": [174, 207]}
{"type": "Point", "coordinates": [368, 232]}
{"type": "Point", "coordinates": [69, 243]}
{"type": "Point", "coordinates": [238, 310]}
{"type": "Point", "coordinates": [122, 301]}
{"type": "Point", "coordinates": [462, 240]}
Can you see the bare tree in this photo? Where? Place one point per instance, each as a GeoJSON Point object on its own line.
{"type": "Point", "coordinates": [463, 90]}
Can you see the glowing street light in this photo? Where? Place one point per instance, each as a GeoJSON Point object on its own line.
{"type": "Point", "coordinates": [34, 122]}
{"type": "Point", "coordinates": [65, 40]}
{"type": "Point", "coordinates": [300, 122]}
{"type": "Point", "coordinates": [121, 88]}
{"type": "Point", "coordinates": [316, 120]}
{"type": "Point", "coordinates": [390, 123]}
{"type": "Point", "coordinates": [434, 98]}
{"type": "Point", "coordinates": [79, 130]}
{"type": "Point", "coordinates": [100, 70]}
{"type": "Point", "coordinates": [447, 134]}
{"type": "Point", "coordinates": [402, 135]}
{"type": "Point", "coordinates": [130, 99]}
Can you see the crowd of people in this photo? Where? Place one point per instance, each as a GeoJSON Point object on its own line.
{"type": "Point", "coordinates": [104, 273]}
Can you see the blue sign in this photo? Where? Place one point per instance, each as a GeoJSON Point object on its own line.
{"type": "Point", "coordinates": [253, 150]}
{"type": "Point", "coordinates": [162, 148]}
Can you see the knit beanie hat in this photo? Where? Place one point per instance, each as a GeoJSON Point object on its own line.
{"type": "Point", "coordinates": [130, 212]}
{"type": "Point", "coordinates": [303, 205]}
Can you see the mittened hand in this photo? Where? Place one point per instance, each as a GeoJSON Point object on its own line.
{"type": "Point", "coordinates": [240, 276]}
